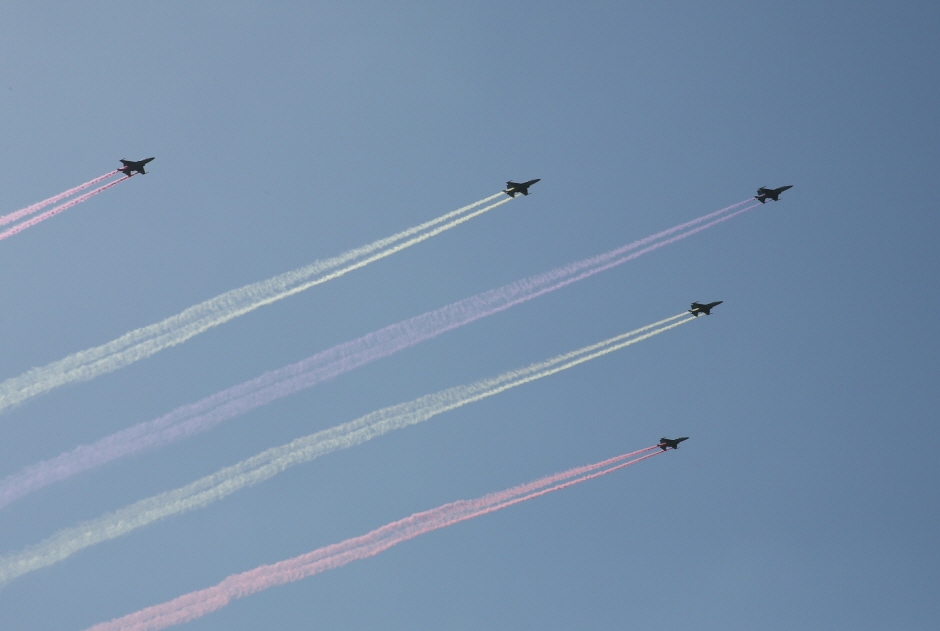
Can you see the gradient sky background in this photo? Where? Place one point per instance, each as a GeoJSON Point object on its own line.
{"type": "Point", "coordinates": [285, 132]}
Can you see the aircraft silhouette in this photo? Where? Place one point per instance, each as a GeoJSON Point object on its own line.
{"type": "Point", "coordinates": [698, 308]}
{"type": "Point", "coordinates": [514, 187]}
{"type": "Point", "coordinates": [670, 443]}
{"type": "Point", "coordinates": [130, 166]}
{"type": "Point", "coordinates": [764, 193]}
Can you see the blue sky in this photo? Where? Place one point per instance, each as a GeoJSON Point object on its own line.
{"type": "Point", "coordinates": [806, 496]}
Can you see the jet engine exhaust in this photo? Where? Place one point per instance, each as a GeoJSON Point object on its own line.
{"type": "Point", "coordinates": [149, 340]}
{"type": "Point", "coordinates": [273, 461]}
{"type": "Point", "coordinates": [29, 210]}
{"type": "Point", "coordinates": [199, 603]}
{"type": "Point", "coordinates": [55, 211]}
{"type": "Point", "coordinates": [198, 417]}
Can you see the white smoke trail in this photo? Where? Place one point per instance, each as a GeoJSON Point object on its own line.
{"type": "Point", "coordinates": [146, 341]}
{"type": "Point", "coordinates": [202, 415]}
{"type": "Point", "coordinates": [272, 461]}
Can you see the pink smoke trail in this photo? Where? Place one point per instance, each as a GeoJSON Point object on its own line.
{"type": "Point", "coordinates": [29, 210]}
{"type": "Point", "coordinates": [55, 211]}
{"type": "Point", "coordinates": [199, 603]}
{"type": "Point", "coordinates": [201, 416]}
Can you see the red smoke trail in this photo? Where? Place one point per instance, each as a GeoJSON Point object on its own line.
{"type": "Point", "coordinates": [199, 603]}
{"type": "Point", "coordinates": [29, 210]}
{"type": "Point", "coordinates": [565, 485]}
{"type": "Point", "coordinates": [55, 211]}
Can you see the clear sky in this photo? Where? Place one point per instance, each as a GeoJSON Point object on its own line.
{"type": "Point", "coordinates": [807, 496]}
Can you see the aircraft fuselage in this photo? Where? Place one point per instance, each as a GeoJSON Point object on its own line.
{"type": "Point", "coordinates": [515, 187]}
{"type": "Point", "coordinates": [763, 193]}
{"type": "Point", "coordinates": [132, 166]}
{"type": "Point", "coordinates": [698, 308]}
{"type": "Point", "coordinates": [670, 443]}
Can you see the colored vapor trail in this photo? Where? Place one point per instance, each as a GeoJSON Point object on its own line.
{"type": "Point", "coordinates": [146, 341]}
{"type": "Point", "coordinates": [29, 210]}
{"type": "Point", "coordinates": [210, 411]}
{"type": "Point", "coordinates": [20, 227]}
{"type": "Point", "coordinates": [199, 603]}
{"type": "Point", "coordinates": [271, 462]}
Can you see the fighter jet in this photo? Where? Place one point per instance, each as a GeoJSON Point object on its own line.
{"type": "Point", "coordinates": [764, 193]}
{"type": "Point", "coordinates": [670, 443]}
{"type": "Point", "coordinates": [514, 187]}
{"type": "Point", "coordinates": [130, 166]}
{"type": "Point", "coordinates": [698, 308]}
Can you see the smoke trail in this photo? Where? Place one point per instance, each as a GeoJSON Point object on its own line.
{"type": "Point", "coordinates": [146, 341]}
{"type": "Point", "coordinates": [199, 603]}
{"type": "Point", "coordinates": [29, 210]}
{"type": "Point", "coordinates": [55, 211]}
{"type": "Point", "coordinates": [272, 461]}
{"type": "Point", "coordinates": [210, 411]}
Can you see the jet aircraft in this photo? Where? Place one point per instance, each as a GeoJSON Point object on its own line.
{"type": "Point", "coordinates": [130, 166]}
{"type": "Point", "coordinates": [764, 193]}
{"type": "Point", "coordinates": [514, 187]}
{"type": "Point", "coordinates": [670, 443]}
{"type": "Point", "coordinates": [698, 308]}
